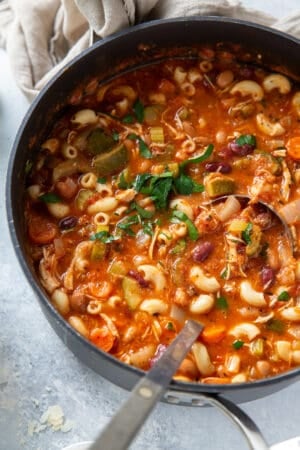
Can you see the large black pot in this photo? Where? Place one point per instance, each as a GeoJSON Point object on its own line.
{"type": "Point", "coordinates": [276, 49]}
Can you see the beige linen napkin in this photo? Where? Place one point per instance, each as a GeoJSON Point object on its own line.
{"type": "Point", "coordinates": [41, 36]}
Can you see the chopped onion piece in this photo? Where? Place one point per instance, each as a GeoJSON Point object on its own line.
{"type": "Point", "coordinates": [230, 207]}
{"type": "Point", "coordinates": [291, 212]}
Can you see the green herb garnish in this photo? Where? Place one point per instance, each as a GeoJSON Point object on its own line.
{"type": "Point", "coordinates": [284, 296]}
{"type": "Point", "coordinates": [125, 224]}
{"type": "Point", "coordinates": [128, 119]}
{"type": "Point", "coordinates": [50, 197]}
{"type": "Point", "coordinates": [246, 234]}
{"type": "Point", "coordinates": [192, 230]}
{"type": "Point", "coordinates": [170, 326]}
{"type": "Point", "coordinates": [101, 180]}
{"type": "Point", "coordinates": [221, 303]}
{"type": "Point", "coordinates": [145, 151]}
{"type": "Point", "coordinates": [115, 136]}
{"type": "Point", "coordinates": [138, 109]}
{"type": "Point", "coordinates": [104, 236]}
{"type": "Point", "coordinates": [185, 185]}
{"type": "Point", "coordinates": [246, 139]}
{"type": "Point", "coordinates": [237, 344]}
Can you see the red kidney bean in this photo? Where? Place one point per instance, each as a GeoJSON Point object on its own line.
{"type": "Point", "coordinates": [158, 354]}
{"type": "Point", "coordinates": [241, 150]}
{"type": "Point", "coordinates": [202, 251]}
{"type": "Point", "coordinates": [79, 302]}
{"type": "Point", "coordinates": [267, 276]}
{"type": "Point", "coordinates": [138, 277]}
{"type": "Point", "coordinates": [215, 166]}
{"type": "Point", "coordinates": [68, 222]}
{"type": "Point", "coordinates": [225, 152]}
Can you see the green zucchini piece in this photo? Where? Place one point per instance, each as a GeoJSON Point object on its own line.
{"type": "Point", "coordinates": [253, 248]}
{"type": "Point", "coordinates": [219, 186]}
{"type": "Point", "coordinates": [82, 198]}
{"type": "Point", "coordinates": [132, 292]}
{"type": "Point", "coordinates": [111, 162]}
{"type": "Point", "coordinates": [99, 142]}
{"type": "Point", "coordinates": [98, 251]}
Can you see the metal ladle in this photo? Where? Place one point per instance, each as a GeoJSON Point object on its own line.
{"type": "Point", "coordinates": [266, 206]}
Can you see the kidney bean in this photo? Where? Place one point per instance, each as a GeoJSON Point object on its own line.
{"type": "Point", "coordinates": [246, 72]}
{"type": "Point", "coordinates": [215, 166]}
{"type": "Point", "coordinates": [241, 150]}
{"type": "Point", "coordinates": [225, 152]}
{"type": "Point", "coordinates": [68, 222]}
{"type": "Point", "coordinates": [202, 251]}
{"type": "Point", "coordinates": [79, 302]}
{"type": "Point", "coordinates": [267, 276]}
{"type": "Point", "coordinates": [138, 277]}
{"type": "Point", "coordinates": [158, 354]}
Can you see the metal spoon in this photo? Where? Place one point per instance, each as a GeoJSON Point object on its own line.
{"type": "Point", "coordinates": [126, 423]}
{"type": "Point", "coordinates": [268, 207]}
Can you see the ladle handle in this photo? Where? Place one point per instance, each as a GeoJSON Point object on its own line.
{"type": "Point", "coordinates": [246, 425]}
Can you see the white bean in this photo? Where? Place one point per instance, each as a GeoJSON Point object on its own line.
{"type": "Point", "coordinates": [283, 350]}
{"type": "Point", "coordinates": [61, 301]}
{"type": "Point", "coordinates": [58, 210]}
{"type": "Point", "coordinates": [79, 325]}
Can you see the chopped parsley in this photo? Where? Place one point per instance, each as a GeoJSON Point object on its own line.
{"type": "Point", "coordinates": [284, 296]}
{"type": "Point", "coordinates": [246, 234]}
{"type": "Point", "coordinates": [192, 230]}
{"type": "Point", "coordinates": [276, 325]}
{"type": "Point", "coordinates": [170, 326]}
{"type": "Point", "coordinates": [221, 303]}
{"type": "Point", "coordinates": [248, 139]}
{"type": "Point", "coordinates": [145, 151]}
{"type": "Point", "coordinates": [125, 224]}
{"type": "Point", "coordinates": [138, 109]}
{"type": "Point", "coordinates": [104, 237]}
{"type": "Point", "coordinates": [101, 180]}
{"type": "Point", "coordinates": [237, 344]}
{"type": "Point", "coordinates": [50, 197]}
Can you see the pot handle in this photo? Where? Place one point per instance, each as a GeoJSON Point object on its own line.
{"type": "Point", "coordinates": [246, 425]}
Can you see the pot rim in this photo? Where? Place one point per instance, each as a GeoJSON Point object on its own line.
{"type": "Point", "coordinates": [188, 387]}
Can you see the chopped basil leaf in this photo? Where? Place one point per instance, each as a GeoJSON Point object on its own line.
{"type": "Point", "coordinates": [148, 228]}
{"type": "Point", "coordinates": [224, 273]}
{"type": "Point", "coordinates": [221, 303]}
{"type": "Point", "coordinates": [50, 197]}
{"type": "Point", "coordinates": [246, 139]}
{"type": "Point", "coordinates": [170, 326]}
{"type": "Point", "coordinates": [104, 237]}
{"type": "Point", "coordinates": [185, 185]}
{"type": "Point", "coordinates": [160, 192]}
{"type": "Point", "coordinates": [126, 223]}
{"type": "Point", "coordinates": [246, 234]}
{"type": "Point", "coordinates": [138, 109]}
{"type": "Point", "coordinates": [101, 180]}
{"type": "Point", "coordinates": [123, 184]}
{"type": "Point", "coordinates": [145, 151]}
{"type": "Point", "coordinates": [192, 230]}
{"type": "Point", "coordinates": [143, 212]}
{"type": "Point", "coordinates": [140, 181]}
{"type": "Point", "coordinates": [237, 344]}
{"type": "Point", "coordinates": [128, 119]}
{"type": "Point", "coordinates": [284, 296]}
{"type": "Point", "coordinates": [276, 325]}
{"type": "Point", "coordinates": [198, 159]}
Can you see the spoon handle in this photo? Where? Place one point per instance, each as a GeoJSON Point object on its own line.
{"type": "Point", "coordinates": [125, 424]}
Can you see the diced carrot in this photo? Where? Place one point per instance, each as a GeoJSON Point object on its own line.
{"type": "Point", "coordinates": [41, 230]}
{"type": "Point", "coordinates": [213, 334]}
{"type": "Point", "coordinates": [293, 147]}
{"type": "Point", "coordinates": [102, 338]}
{"type": "Point", "coordinates": [216, 380]}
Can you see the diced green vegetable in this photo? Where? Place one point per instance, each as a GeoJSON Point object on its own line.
{"type": "Point", "coordinates": [152, 114]}
{"type": "Point", "coordinates": [50, 197]}
{"type": "Point", "coordinates": [237, 344]}
{"type": "Point", "coordinates": [257, 347]}
{"type": "Point", "coordinates": [117, 268]}
{"type": "Point", "coordinates": [132, 292]}
{"type": "Point", "coordinates": [98, 251]}
{"type": "Point", "coordinates": [220, 185]}
{"type": "Point", "coordinates": [246, 233]}
{"type": "Point", "coordinates": [284, 296]}
{"type": "Point", "coordinates": [82, 199]}
{"type": "Point", "coordinates": [69, 167]}
{"type": "Point", "coordinates": [111, 162]}
{"type": "Point", "coordinates": [276, 325]}
{"type": "Point", "coordinates": [170, 326]}
{"type": "Point", "coordinates": [157, 135]}
{"type": "Point", "coordinates": [252, 235]}
{"type": "Point", "coordinates": [179, 247]}
{"type": "Point", "coordinates": [274, 164]}
{"type": "Point", "coordinates": [221, 303]}
{"type": "Point", "coordinates": [99, 142]}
